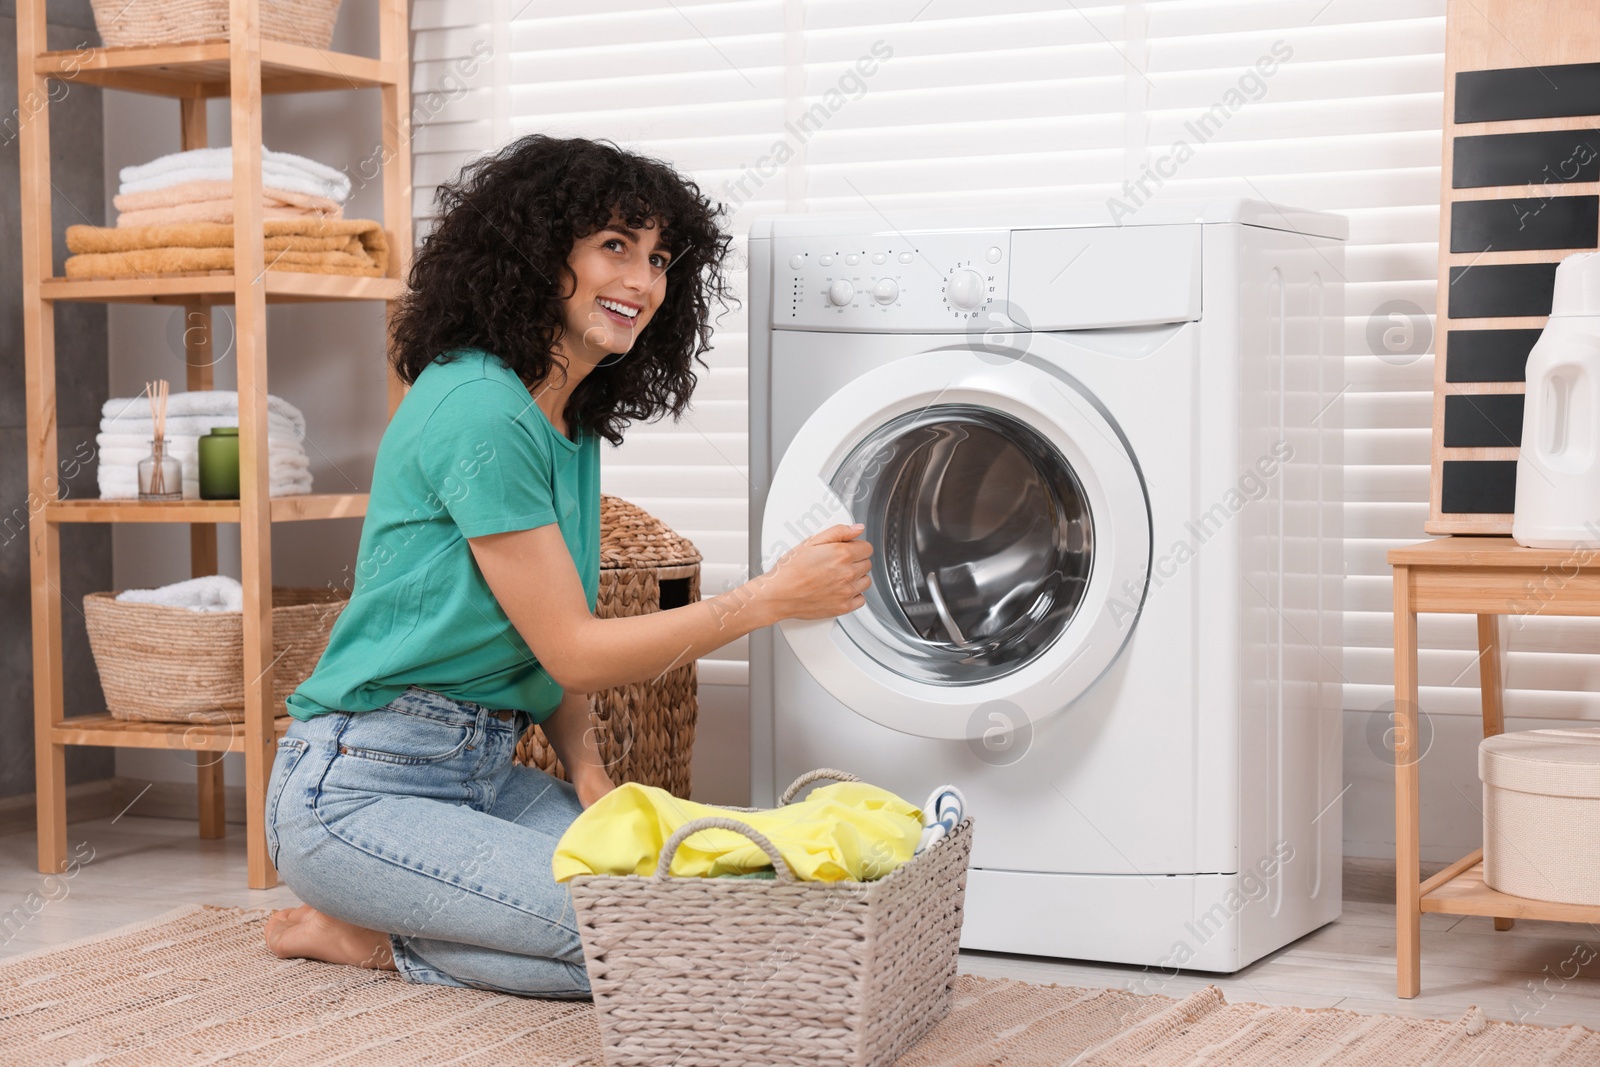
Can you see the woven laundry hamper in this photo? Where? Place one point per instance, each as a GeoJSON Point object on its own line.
{"type": "Point", "coordinates": [645, 729]}
{"type": "Point", "coordinates": [165, 664]}
{"type": "Point", "coordinates": [1541, 814]}
{"type": "Point", "coordinates": [146, 22]}
{"type": "Point", "coordinates": [716, 972]}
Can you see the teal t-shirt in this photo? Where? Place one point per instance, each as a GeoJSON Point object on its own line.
{"type": "Point", "coordinates": [467, 454]}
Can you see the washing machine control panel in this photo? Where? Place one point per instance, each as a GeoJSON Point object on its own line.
{"type": "Point", "coordinates": [946, 282]}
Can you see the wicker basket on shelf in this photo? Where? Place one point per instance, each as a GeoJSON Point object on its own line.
{"type": "Point", "coordinates": [147, 22]}
{"type": "Point", "coordinates": [165, 664]}
{"type": "Point", "coordinates": [646, 729]}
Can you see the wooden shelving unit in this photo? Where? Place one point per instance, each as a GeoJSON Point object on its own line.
{"type": "Point", "coordinates": [243, 68]}
{"type": "Point", "coordinates": [1487, 577]}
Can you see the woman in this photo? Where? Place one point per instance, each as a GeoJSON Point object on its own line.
{"type": "Point", "coordinates": [565, 293]}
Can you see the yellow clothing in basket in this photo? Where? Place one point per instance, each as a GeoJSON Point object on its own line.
{"type": "Point", "coordinates": [850, 830]}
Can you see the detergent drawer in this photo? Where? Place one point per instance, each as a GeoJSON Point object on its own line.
{"type": "Point", "coordinates": [1092, 277]}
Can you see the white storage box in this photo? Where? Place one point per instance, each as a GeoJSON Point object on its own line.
{"type": "Point", "coordinates": [1541, 814]}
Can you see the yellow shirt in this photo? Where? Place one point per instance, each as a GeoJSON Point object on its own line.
{"type": "Point", "coordinates": [850, 830]}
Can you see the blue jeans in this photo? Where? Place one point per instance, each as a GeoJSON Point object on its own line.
{"type": "Point", "coordinates": [414, 820]}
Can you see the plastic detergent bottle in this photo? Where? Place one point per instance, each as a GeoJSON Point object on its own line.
{"type": "Point", "coordinates": [1558, 469]}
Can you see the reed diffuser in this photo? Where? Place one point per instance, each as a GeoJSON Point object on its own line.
{"type": "Point", "coordinates": [160, 476]}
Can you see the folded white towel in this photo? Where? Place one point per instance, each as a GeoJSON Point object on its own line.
{"type": "Point", "coordinates": [284, 170]}
{"type": "Point", "coordinates": [213, 592]}
{"type": "Point", "coordinates": [941, 814]}
{"type": "Point", "coordinates": [287, 468]}
{"type": "Point", "coordinates": [287, 459]}
{"type": "Point", "coordinates": [196, 426]}
{"type": "Point", "coordinates": [116, 446]}
{"type": "Point", "coordinates": [215, 404]}
{"type": "Point", "coordinates": [121, 482]}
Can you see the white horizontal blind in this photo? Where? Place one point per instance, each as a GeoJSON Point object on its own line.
{"type": "Point", "coordinates": [906, 105]}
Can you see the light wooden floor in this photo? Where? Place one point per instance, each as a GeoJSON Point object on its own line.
{"type": "Point", "coordinates": [145, 866]}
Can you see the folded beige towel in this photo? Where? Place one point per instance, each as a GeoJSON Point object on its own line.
{"type": "Point", "coordinates": [185, 192]}
{"type": "Point", "coordinates": [318, 246]}
{"type": "Point", "coordinates": [212, 211]}
{"type": "Point", "coordinates": [212, 201]}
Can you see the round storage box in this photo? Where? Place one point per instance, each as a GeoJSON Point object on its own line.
{"type": "Point", "coordinates": [645, 729]}
{"type": "Point", "coordinates": [1541, 814]}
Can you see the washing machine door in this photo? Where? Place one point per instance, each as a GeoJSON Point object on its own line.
{"type": "Point", "coordinates": [1011, 538]}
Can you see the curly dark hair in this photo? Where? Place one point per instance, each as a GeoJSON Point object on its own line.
{"type": "Point", "coordinates": [492, 273]}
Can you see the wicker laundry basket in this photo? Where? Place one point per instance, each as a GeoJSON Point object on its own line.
{"type": "Point", "coordinates": [722, 971]}
{"type": "Point", "coordinates": [167, 664]}
{"type": "Point", "coordinates": [645, 729]}
{"type": "Point", "coordinates": [145, 22]}
{"type": "Point", "coordinates": [1541, 814]}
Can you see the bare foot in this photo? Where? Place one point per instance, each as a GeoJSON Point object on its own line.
{"type": "Point", "coordinates": [305, 933]}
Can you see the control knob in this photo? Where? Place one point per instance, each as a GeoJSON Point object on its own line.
{"type": "Point", "coordinates": [885, 291]}
{"type": "Point", "coordinates": [841, 293]}
{"type": "Point", "coordinates": [965, 289]}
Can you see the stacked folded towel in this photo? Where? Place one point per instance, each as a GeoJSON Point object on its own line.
{"type": "Point", "coordinates": [126, 429]}
{"type": "Point", "coordinates": [212, 592]}
{"type": "Point", "coordinates": [197, 186]}
{"type": "Point", "coordinates": [312, 245]}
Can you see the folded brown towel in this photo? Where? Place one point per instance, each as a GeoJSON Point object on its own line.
{"type": "Point", "coordinates": [318, 246]}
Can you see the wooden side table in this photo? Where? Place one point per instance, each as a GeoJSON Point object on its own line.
{"type": "Point", "coordinates": [1487, 577]}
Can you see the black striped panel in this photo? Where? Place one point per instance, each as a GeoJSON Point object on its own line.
{"type": "Point", "coordinates": [1501, 290]}
{"type": "Point", "coordinates": [1478, 487]}
{"type": "Point", "coordinates": [1528, 93]}
{"type": "Point", "coordinates": [1483, 420]}
{"type": "Point", "coordinates": [1524, 223]}
{"type": "Point", "coordinates": [1543, 160]}
{"type": "Point", "coordinates": [1488, 355]}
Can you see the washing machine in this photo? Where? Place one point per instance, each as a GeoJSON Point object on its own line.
{"type": "Point", "coordinates": [1100, 469]}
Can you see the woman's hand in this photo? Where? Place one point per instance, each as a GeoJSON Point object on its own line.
{"type": "Point", "coordinates": [823, 576]}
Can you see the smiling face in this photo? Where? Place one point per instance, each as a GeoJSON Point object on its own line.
{"type": "Point", "coordinates": [621, 278]}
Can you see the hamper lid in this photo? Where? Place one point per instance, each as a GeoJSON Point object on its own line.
{"type": "Point", "coordinates": [1556, 763]}
{"type": "Point", "coordinates": [632, 538]}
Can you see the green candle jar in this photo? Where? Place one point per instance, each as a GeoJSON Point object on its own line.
{"type": "Point", "coordinates": [219, 464]}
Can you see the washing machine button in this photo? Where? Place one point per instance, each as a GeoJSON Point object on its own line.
{"type": "Point", "coordinates": [879, 258]}
{"type": "Point", "coordinates": [852, 259]}
{"type": "Point", "coordinates": [905, 257]}
{"type": "Point", "coordinates": [796, 261]}
{"type": "Point", "coordinates": [993, 255]}
{"type": "Point", "coordinates": [826, 261]}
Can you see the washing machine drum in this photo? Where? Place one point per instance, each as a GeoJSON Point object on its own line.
{"type": "Point", "coordinates": [1010, 534]}
{"type": "Point", "coordinates": [983, 539]}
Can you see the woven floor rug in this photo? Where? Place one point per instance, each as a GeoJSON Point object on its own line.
{"type": "Point", "coordinates": [197, 986]}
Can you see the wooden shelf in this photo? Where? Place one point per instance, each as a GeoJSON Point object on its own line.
{"type": "Point", "coordinates": [283, 287]}
{"type": "Point", "coordinates": [102, 729]}
{"type": "Point", "coordinates": [200, 68]}
{"type": "Point", "coordinates": [1486, 551]}
{"type": "Point", "coordinates": [284, 509]}
{"type": "Point", "coordinates": [1466, 894]}
{"type": "Point", "coordinates": [190, 73]}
